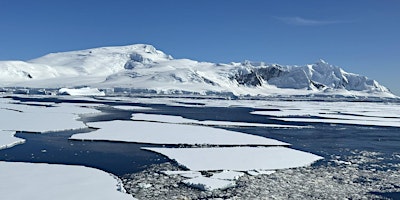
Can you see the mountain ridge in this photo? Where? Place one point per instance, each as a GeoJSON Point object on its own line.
{"type": "Point", "coordinates": [142, 67]}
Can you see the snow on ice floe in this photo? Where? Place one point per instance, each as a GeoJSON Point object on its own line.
{"type": "Point", "coordinates": [186, 174]}
{"type": "Point", "coordinates": [227, 175]}
{"type": "Point", "coordinates": [165, 133]}
{"type": "Point", "coordinates": [257, 172]}
{"type": "Point", "coordinates": [181, 120]}
{"type": "Point", "coordinates": [24, 117]}
{"type": "Point", "coordinates": [38, 122]}
{"type": "Point", "coordinates": [50, 181]}
{"type": "Point", "coordinates": [7, 139]}
{"type": "Point", "coordinates": [206, 183]}
{"type": "Point", "coordinates": [238, 158]}
{"type": "Point", "coordinates": [354, 113]}
{"type": "Point", "coordinates": [132, 108]}
{"type": "Point", "coordinates": [86, 91]}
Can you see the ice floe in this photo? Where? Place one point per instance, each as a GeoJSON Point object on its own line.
{"type": "Point", "coordinates": [354, 113]}
{"type": "Point", "coordinates": [7, 139]}
{"type": "Point", "coordinates": [165, 133]}
{"type": "Point", "coordinates": [48, 182]}
{"type": "Point", "coordinates": [25, 117]}
{"type": "Point", "coordinates": [132, 108]}
{"type": "Point", "coordinates": [206, 183]}
{"type": "Point", "coordinates": [182, 120]}
{"type": "Point", "coordinates": [238, 158]}
{"type": "Point", "coordinates": [186, 174]}
{"type": "Point", "coordinates": [227, 175]}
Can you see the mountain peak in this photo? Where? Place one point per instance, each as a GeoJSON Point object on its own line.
{"type": "Point", "coordinates": [141, 67]}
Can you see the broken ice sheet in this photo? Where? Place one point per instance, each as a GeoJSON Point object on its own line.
{"type": "Point", "coordinates": [205, 183]}
{"type": "Point", "coordinates": [61, 182]}
{"type": "Point", "coordinates": [186, 174]}
{"type": "Point", "coordinates": [238, 158]}
{"type": "Point", "coordinates": [227, 175]}
{"type": "Point", "coordinates": [181, 120]}
{"type": "Point", "coordinates": [23, 117]}
{"type": "Point", "coordinates": [131, 108]}
{"type": "Point", "coordinates": [164, 133]}
{"type": "Point", "coordinates": [7, 139]}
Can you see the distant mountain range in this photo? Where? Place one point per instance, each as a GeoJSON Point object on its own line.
{"type": "Point", "coordinates": [142, 68]}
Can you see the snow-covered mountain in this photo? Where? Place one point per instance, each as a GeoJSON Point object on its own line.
{"type": "Point", "coordinates": [143, 68]}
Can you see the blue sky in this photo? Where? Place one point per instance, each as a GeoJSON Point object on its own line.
{"type": "Point", "coordinates": [361, 36]}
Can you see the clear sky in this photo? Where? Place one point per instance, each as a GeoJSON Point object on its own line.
{"type": "Point", "coordinates": [361, 36]}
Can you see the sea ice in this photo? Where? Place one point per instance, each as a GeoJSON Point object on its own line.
{"type": "Point", "coordinates": [23, 117]}
{"type": "Point", "coordinates": [7, 139]}
{"type": "Point", "coordinates": [165, 133]}
{"type": "Point", "coordinates": [132, 108]}
{"type": "Point", "coordinates": [186, 174]}
{"type": "Point", "coordinates": [227, 175]}
{"type": "Point", "coordinates": [238, 158]}
{"type": "Point", "coordinates": [48, 182]}
{"type": "Point", "coordinates": [355, 113]}
{"type": "Point", "coordinates": [205, 183]}
{"type": "Point", "coordinates": [181, 120]}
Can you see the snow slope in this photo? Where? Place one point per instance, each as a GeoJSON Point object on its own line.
{"type": "Point", "coordinates": [143, 68]}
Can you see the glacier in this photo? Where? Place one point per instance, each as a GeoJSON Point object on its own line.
{"type": "Point", "coordinates": [141, 68]}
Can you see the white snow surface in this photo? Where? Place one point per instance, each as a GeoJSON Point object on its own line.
{"type": "Point", "coordinates": [238, 158]}
{"type": "Point", "coordinates": [227, 175]}
{"type": "Point", "coordinates": [7, 139]}
{"type": "Point", "coordinates": [131, 108]}
{"type": "Point", "coordinates": [142, 67]}
{"type": "Point", "coordinates": [61, 182]}
{"type": "Point", "coordinates": [186, 174]}
{"type": "Point", "coordinates": [23, 117]}
{"type": "Point", "coordinates": [165, 133]}
{"type": "Point", "coordinates": [182, 120]}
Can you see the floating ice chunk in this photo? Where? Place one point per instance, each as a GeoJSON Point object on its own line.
{"type": "Point", "coordinates": [238, 158]}
{"type": "Point", "coordinates": [260, 172]}
{"type": "Point", "coordinates": [38, 121]}
{"type": "Point", "coordinates": [204, 183]}
{"type": "Point", "coordinates": [164, 133]}
{"type": "Point", "coordinates": [343, 121]}
{"type": "Point", "coordinates": [227, 175]}
{"type": "Point", "coordinates": [132, 108]}
{"type": "Point", "coordinates": [8, 140]}
{"type": "Point", "coordinates": [181, 120]}
{"type": "Point", "coordinates": [23, 117]}
{"type": "Point", "coordinates": [162, 118]}
{"type": "Point", "coordinates": [86, 91]}
{"type": "Point", "coordinates": [186, 174]}
{"type": "Point", "coordinates": [61, 182]}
